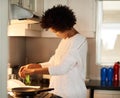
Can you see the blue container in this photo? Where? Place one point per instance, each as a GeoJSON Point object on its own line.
{"type": "Point", "coordinates": [110, 74]}
{"type": "Point", "coordinates": [103, 73]}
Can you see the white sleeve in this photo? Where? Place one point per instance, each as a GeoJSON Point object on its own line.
{"type": "Point", "coordinates": [76, 55]}
{"type": "Point", "coordinates": [68, 62]}
{"type": "Point", "coordinates": [49, 63]}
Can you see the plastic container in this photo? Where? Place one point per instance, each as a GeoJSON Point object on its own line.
{"type": "Point", "coordinates": [103, 73]}
{"type": "Point", "coordinates": [110, 74]}
{"type": "Point", "coordinates": [116, 71]}
{"type": "Point", "coordinates": [119, 72]}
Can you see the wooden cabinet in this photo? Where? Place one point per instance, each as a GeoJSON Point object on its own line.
{"type": "Point", "coordinates": [27, 27]}
{"type": "Point", "coordinates": [116, 96]}
{"type": "Point", "coordinates": [103, 96]}
{"type": "Point", "coordinates": [84, 11]}
{"type": "Point", "coordinates": [49, 4]}
{"type": "Point", "coordinates": [106, 94]}
{"type": "Point", "coordinates": [24, 28]}
{"type": "Point", "coordinates": [34, 5]}
{"type": "Point", "coordinates": [85, 14]}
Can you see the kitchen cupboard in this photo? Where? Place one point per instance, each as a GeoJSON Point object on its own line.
{"type": "Point", "coordinates": [85, 14]}
{"type": "Point", "coordinates": [107, 94]}
{"type": "Point", "coordinates": [24, 28]}
{"type": "Point", "coordinates": [84, 11]}
{"type": "Point", "coordinates": [36, 6]}
{"type": "Point", "coordinates": [28, 27]}
{"type": "Point", "coordinates": [49, 4]}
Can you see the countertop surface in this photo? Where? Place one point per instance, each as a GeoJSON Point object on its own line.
{"type": "Point", "coordinates": [103, 85]}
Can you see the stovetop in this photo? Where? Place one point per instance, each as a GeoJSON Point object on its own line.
{"type": "Point", "coordinates": [40, 95]}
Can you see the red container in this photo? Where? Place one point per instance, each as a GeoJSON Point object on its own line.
{"type": "Point", "coordinates": [119, 72]}
{"type": "Point", "coordinates": [116, 71]}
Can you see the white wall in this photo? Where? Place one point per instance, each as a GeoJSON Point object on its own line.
{"type": "Point", "coordinates": [3, 47]}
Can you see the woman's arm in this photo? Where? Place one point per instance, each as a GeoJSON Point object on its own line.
{"type": "Point", "coordinates": [31, 69]}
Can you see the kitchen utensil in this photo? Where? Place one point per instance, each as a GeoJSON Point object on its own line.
{"type": "Point", "coordinates": [29, 91]}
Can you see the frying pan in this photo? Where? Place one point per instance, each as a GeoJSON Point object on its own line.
{"type": "Point", "coordinates": [29, 91]}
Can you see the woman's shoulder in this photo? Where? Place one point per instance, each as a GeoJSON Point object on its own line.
{"type": "Point", "coordinates": [78, 40]}
{"type": "Point", "coordinates": [79, 37]}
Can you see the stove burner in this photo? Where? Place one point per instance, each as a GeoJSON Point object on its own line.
{"type": "Point", "coordinates": [24, 97]}
{"type": "Point", "coordinates": [40, 95]}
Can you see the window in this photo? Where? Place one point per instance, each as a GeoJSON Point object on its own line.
{"type": "Point", "coordinates": [108, 32]}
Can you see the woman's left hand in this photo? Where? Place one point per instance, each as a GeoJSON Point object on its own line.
{"type": "Point", "coordinates": [27, 71]}
{"type": "Point", "coordinates": [20, 72]}
{"type": "Point", "coordinates": [31, 66]}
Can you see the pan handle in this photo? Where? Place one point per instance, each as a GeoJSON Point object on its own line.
{"type": "Point", "coordinates": [44, 89]}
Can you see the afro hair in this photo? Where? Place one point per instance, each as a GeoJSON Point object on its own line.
{"type": "Point", "coordinates": [59, 17]}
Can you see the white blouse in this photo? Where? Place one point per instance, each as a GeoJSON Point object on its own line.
{"type": "Point", "coordinates": [67, 68]}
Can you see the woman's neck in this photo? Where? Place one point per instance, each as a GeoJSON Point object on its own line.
{"type": "Point", "coordinates": [71, 32]}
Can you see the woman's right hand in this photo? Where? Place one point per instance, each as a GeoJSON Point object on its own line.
{"type": "Point", "coordinates": [28, 66]}
{"type": "Point", "coordinates": [20, 71]}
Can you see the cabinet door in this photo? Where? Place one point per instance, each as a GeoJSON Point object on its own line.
{"type": "Point", "coordinates": [39, 7]}
{"type": "Point", "coordinates": [14, 1]}
{"type": "Point", "coordinates": [103, 96]}
{"type": "Point", "coordinates": [116, 96]}
{"type": "Point", "coordinates": [84, 11]}
{"type": "Point", "coordinates": [36, 6]}
{"type": "Point", "coordinates": [85, 14]}
{"type": "Point", "coordinates": [23, 29]}
{"type": "Point", "coordinates": [51, 3]}
{"type": "Point", "coordinates": [106, 94]}
{"type": "Point", "coordinates": [28, 4]}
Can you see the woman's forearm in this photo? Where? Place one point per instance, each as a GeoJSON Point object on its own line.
{"type": "Point", "coordinates": [41, 71]}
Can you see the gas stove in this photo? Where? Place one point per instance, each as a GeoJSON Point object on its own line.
{"type": "Point", "coordinates": [40, 95]}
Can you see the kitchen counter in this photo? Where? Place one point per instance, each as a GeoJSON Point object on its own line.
{"type": "Point", "coordinates": [101, 85]}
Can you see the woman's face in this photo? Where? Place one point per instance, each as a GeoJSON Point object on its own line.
{"type": "Point", "coordinates": [59, 34]}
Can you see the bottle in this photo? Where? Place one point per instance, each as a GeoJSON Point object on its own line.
{"type": "Point", "coordinates": [119, 72]}
{"type": "Point", "coordinates": [110, 74]}
{"type": "Point", "coordinates": [116, 71]}
{"type": "Point", "coordinates": [103, 73]}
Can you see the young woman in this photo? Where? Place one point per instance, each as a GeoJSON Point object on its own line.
{"type": "Point", "coordinates": [67, 65]}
